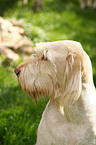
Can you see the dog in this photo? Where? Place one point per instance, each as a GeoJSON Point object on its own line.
{"type": "Point", "coordinates": [88, 3]}
{"type": "Point", "coordinates": [62, 70]}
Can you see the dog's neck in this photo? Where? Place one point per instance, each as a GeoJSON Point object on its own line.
{"type": "Point", "coordinates": [77, 112]}
{"type": "Point", "coordinates": [74, 113]}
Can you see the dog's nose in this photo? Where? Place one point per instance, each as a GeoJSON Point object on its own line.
{"type": "Point", "coordinates": [17, 71]}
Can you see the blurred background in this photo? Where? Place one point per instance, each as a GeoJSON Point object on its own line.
{"type": "Point", "coordinates": [22, 24]}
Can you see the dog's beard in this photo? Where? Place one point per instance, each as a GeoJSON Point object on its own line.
{"type": "Point", "coordinates": [37, 82]}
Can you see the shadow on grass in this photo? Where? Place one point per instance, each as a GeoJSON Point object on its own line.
{"type": "Point", "coordinates": [5, 4]}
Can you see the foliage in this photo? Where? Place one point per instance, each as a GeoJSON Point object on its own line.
{"type": "Point", "coordinates": [59, 20]}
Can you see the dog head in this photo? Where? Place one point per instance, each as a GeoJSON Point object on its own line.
{"type": "Point", "coordinates": [58, 70]}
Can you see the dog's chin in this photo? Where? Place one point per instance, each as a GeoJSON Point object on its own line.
{"type": "Point", "coordinates": [33, 94]}
{"type": "Point", "coordinates": [36, 95]}
{"type": "Point", "coordinates": [34, 91]}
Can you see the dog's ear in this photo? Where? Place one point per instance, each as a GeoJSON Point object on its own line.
{"type": "Point", "coordinates": [74, 62]}
{"type": "Point", "coordinates": [72, 83]}
{"type": "Point", "coordinates": [74, 78]}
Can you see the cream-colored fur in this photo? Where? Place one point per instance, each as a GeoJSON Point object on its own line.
{"type": "Point", "coordinates": [62, 70]}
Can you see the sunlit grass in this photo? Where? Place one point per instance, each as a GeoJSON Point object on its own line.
{"type": "Point", "coordinates": [19, 115]}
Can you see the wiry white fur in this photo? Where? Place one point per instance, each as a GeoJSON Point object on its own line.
{"type": "Point", "coordinates": [62, 71]}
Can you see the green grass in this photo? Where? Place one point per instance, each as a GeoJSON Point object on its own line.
{"type": "Point", "coordinates": [59, 20]}
{"type": "Point", "coordinates": [19, 115]}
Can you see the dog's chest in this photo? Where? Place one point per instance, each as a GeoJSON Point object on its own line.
{"type": "Point", "coordinates": [66, 132]}
{"type": "Point", "coordinates": [70, 133]}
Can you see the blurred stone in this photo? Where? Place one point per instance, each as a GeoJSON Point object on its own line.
{"type": "Point", "coordinates": [10, 39]}
{"type": "Point", "coordinates": [23, 46]}
{"type": "Point", "coordinates": [20, 30]}
{"type": "Point", "coordinates": [5, 25]}
{"type": "Point", "coordinates": [9, 53]}
{"type": "Point", "coordinates": [26, 49]}
{"type": "Point", "coordinates": [17, 23]}
{"type": "Point", "coordinates": [12, 36]}
{"type": "Point", "coordinates": [21, 43]}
